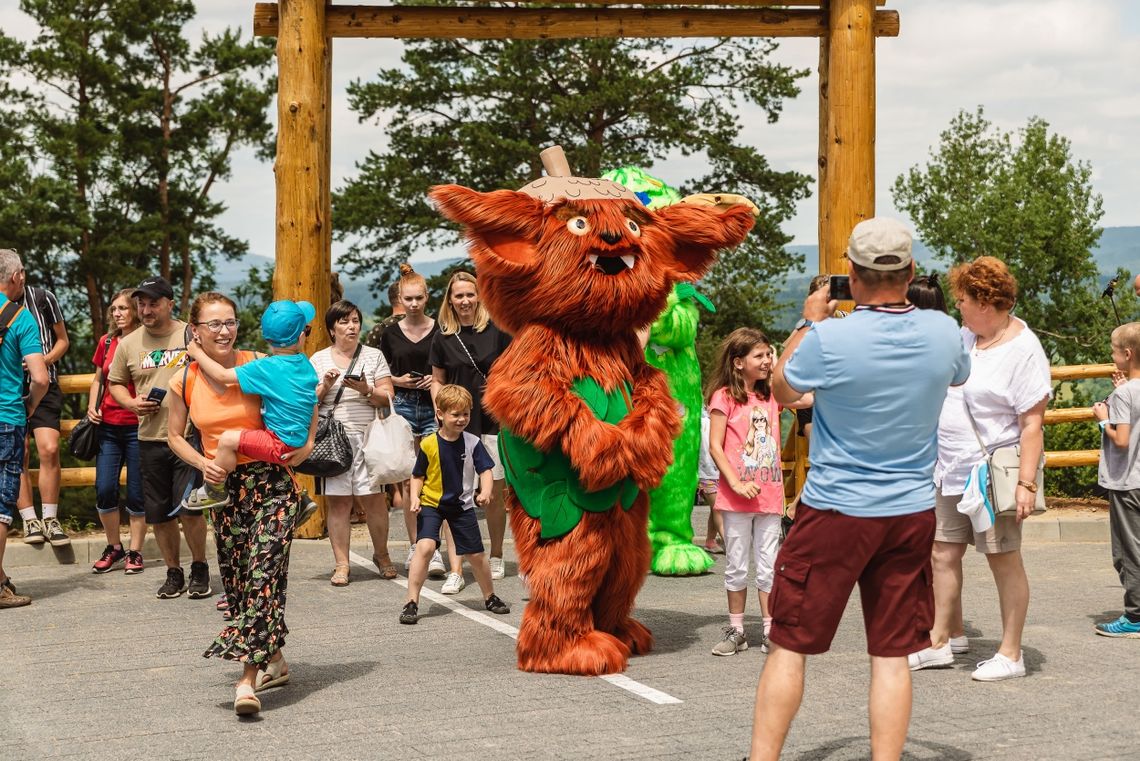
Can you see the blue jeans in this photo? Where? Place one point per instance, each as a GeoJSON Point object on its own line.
{"type": "Point", "coordinates": [11, 465]}
{"type": "Point", "coordinates": [118, 446]}
{"type": "Point", "coordinates": [415, 406]}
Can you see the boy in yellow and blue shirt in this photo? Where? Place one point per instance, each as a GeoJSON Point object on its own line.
{"type": "Point", "coordinates": [443, 489]}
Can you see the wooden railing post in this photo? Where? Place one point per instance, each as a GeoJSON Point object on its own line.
{"type": "Point", "coordinates": [303, 171]}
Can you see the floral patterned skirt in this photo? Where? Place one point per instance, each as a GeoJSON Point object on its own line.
{"type": "Point", "coordinates": [253, 534]}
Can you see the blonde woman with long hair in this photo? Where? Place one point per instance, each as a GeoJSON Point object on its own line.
{"type": "Point", "coordinates": [462, 353]}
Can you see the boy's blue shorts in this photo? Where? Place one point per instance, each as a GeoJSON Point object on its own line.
{"type": "Point", "coordinates": [464, 528]}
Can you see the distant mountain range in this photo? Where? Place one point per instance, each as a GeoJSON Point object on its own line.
{"type": "Point", "coordinates": [1119, 247]}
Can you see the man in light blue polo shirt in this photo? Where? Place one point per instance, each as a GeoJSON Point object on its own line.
{"type": "Point", "coordinates": [20, 347]}
{"type": "Point", "coordinates": [866, 514]}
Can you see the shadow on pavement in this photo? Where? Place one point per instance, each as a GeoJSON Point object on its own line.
{"type": "Point", "coordinates": [674, 631]}
{"type": "Point", "coordinates": [916, 750]}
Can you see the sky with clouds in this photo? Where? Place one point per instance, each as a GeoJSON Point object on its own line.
{"type": "Point", "coordinates": [1077, 65]}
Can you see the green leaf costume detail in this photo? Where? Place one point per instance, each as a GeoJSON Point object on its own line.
{"type": "Point", "coordinates": [546, 484]}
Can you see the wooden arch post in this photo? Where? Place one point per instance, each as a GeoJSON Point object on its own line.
{"type": "Point", "coordinates": [302, 172]}
{"type": "Point", "coordinates": [847, 127]}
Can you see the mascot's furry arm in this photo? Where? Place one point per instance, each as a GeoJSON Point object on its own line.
{"type": "Point", "coordinates": [672, 349]}
{"type": "Point", "coordinates": [572, 267]}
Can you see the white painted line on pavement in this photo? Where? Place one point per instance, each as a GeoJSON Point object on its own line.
{"type": "Point", "coordinates": [618, 680]}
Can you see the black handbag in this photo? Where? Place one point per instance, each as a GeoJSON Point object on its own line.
{"type": "Point", "coordinates": [84, 439]}
{"type": "Point", "coordinates": [332, 453]}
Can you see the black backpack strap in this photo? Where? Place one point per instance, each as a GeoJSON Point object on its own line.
{"type": "Point", "coordinates": [8, 314]}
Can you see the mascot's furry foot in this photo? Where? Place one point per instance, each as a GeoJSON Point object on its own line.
{"type": "Point", "coordinates": [681, 560]}
{"type": "Point", "coordinates": [636, 636]}
{"type": "Point", "coordinates": [593, 654]}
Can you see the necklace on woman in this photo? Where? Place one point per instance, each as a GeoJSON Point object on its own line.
{"type": "Point", "coordinates": [993, 343]}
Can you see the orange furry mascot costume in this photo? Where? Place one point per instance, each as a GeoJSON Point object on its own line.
{"type": "Point", "coordinates": [573, 267]}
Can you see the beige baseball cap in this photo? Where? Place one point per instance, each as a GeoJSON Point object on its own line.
{"type": "Point", "coordinates": [877, 238]}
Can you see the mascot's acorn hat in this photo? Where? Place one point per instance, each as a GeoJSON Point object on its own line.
{"type": "Point", "coordinates": [560, 184]}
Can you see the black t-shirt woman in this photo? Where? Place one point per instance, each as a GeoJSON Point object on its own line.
{"type": "Point", "coordinates": [463, 352]}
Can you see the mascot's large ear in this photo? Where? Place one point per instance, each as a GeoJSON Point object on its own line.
{"type": "Point", "coordinates": [699, 231]}
{"type": "Point", "coordinates": [501, 225]}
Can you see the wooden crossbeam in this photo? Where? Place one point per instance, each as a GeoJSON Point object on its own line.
{"type": "Point", "coordinates": [481, 23]}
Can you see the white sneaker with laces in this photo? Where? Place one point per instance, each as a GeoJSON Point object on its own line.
{"type": "Point", "coordinates": [454, 584]}
{"type": "Point", "coordinates": [960, 645]}
{"type": "Point", "coordinates": [408, 559]}
{"type": "Point", "coordinates": [436, 568]}
{"type": "Point", "coordinates": [998, 668]}
{"type": "Point", "coordinates": [931, 658]}
{"type": "Point", "coordinates": [498, 568]}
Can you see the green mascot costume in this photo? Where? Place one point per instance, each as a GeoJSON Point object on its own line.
{"type": "Point", "coordinates": [672, 349]}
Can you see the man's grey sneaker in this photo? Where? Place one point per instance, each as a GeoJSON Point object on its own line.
{"type": "Point", "coordinates": [33, 531]}
{"type": "Point", "coordinates": [199, 580]}
{"type": "Point", "coordinates": [495, 605]}
{"type": "Point", "coordinates": [174, 586]}
{"type": "Point", "coordinates": [436, 568]}
{"type": "Point", "coordinates": [410, 614]}
{"type": "Point", "coordinates": [454, 584]}
{"type": "Point", "coordinates": [731, 643]}
{"type": "Point", "coordinates": [9, 599]}
{"type": "Point", "coordinates": [498, 568]}
{"type": "Point", "coordinates": [308, 507]}
{"type": "Point", "coordinates": [54, 533]}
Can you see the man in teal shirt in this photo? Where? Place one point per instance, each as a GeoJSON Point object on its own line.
{"type": "Point", "coordinates": [20, 346]}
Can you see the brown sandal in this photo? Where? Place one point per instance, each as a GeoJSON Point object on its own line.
{"type": "Point", "coordinates": [340, 576]}
{"type": "Point", "coordinates": [386, 568]}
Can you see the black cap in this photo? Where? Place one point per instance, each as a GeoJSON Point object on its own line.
{"type": "Point", "coordinates": [155, 287]}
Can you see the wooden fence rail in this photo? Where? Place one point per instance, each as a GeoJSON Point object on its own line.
{"type": "Point", "coordinates": [795, 463]}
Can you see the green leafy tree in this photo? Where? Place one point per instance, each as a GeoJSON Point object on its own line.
{"type": "Point", "coordinates": [477, 113]}
{"type": "Point", "coordinates": [126, 127]}
{"type": "Point", "coordinates": [1022, 198]}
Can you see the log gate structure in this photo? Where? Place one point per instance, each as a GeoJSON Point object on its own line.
{"type": "Point", "coordinates": [847, 32]}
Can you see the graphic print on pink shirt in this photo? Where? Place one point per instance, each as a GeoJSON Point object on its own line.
{"type": "Point", "coordinates": [752, 446]}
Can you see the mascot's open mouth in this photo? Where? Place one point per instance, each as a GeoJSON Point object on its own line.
{"type": "Point", "coordinates": [612, 265]}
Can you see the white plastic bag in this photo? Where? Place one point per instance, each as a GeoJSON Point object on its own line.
{"type": "Point", "coordinates": [389, 450]}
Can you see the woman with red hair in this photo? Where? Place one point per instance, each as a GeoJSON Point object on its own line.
{"type": "Point", "coordinates": [1002, 403]}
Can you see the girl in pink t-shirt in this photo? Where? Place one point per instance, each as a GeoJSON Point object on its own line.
{"type": "Point", "coordinates": [744, 441]}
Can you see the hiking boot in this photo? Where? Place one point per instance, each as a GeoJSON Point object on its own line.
{"type": "Point", "coordinates": [998, 668]}
{"type": "Point", "coordinates": [731, 643]}
{"type": "Point", "coordinates": [436, 568]}
{"type": "Point", "coordinates": [175, 584]}
{"type": "Point", "coordinates": [931, 658]}
{"type": "Point", "coordinates": [199, 580]}
{"type": "Point", "coordinates": [54, 533]}
{"type": "Point", "coordinates": [111, 557]}
{"type": "Point", "coordinates": [454, 584]}
{"type": "Point", "coordinates": [495, 605]}
{"type": "Point", "coordinates": [134, 563]}
{"type": "Point", "coordinates": [498, 568]}
{"type": "Point", "coordinates": [410, 614]}
{"type": "Point", "coordinates": [9, 599]}
{"type": "Point", "coordinates": [206, 497]}
{"type": "Point", "coordinates": [33, 531]}
{"type": "Point", "coordinates": [1121, 627]}
{"type": "Point", "coordinates": [308, 507]}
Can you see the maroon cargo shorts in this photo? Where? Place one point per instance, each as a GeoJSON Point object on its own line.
{"type": "Point", "coordinates": [827, 553]}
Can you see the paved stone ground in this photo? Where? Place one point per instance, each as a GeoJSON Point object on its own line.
{"type": "Point", "coordinates": [98, 666]}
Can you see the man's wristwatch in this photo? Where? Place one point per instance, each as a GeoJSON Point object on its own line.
{"type": "Point", "coordinates": [803, 323]}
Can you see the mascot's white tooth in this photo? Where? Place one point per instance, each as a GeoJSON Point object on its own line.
{"type": "Point", "coordinates": [593, 258]}
{"type": "Point", "coordinates": [628, 261]}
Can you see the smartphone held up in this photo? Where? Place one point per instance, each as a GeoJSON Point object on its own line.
{"type": "Point", "coordinates": [839, 288]}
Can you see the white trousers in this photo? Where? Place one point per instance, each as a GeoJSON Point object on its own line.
{"type": "Point", "coordinates": [750, 534]}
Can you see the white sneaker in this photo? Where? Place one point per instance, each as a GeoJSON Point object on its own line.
{"type": "Point", "coordinates": [454, 584]}
{"type": "Point", "coordinates": [959, 645]}
{"type": "Point", "coordinates": [998, 668]}
{"type": "Point", "coordinates": [931, 658]}
{"type": "Point", "coordinates": [408, 559]}
{"type": "Point", "coordinates": [498, 569]}
{"type": "Point", "coordinates": [436, 568]}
